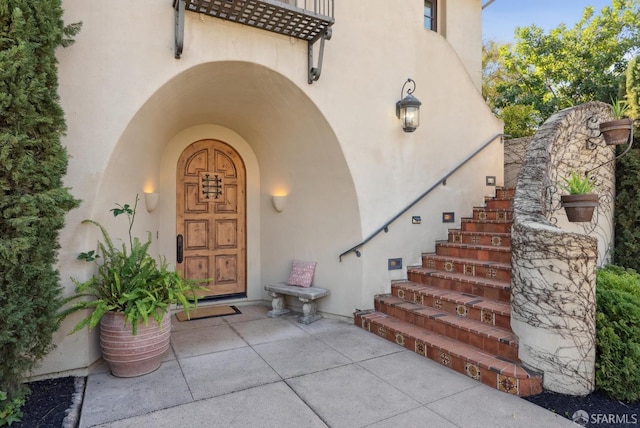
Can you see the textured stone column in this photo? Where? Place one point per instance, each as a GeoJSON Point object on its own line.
{"type": "Point", "coordinates": [553, 306]}
{"type": "Point", "coordinates": [553, 301]}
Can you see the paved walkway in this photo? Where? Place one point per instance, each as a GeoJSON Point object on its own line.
{"type": "Point", "coordinates": [248, 370]}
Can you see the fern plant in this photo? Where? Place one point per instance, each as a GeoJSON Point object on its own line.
{"type": "Point", "coordinates": [129, 281]}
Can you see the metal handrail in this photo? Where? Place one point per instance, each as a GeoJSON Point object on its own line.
{"type": "Point", "coordinates": [443, 180]}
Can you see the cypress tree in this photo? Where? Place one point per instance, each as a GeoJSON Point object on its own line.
{"type": "Point", "coordinates": [33, 201]}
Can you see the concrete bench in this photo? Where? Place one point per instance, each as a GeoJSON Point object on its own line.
{"type": "Point", "coordinates": [306, 295]}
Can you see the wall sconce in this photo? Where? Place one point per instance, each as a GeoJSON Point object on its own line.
{"type": "Point", "coordinates": [279, 201]}
{"type": "Point", "coordinates": [408, 108]}
{"type": "Point", "coordinates": [151, 201]}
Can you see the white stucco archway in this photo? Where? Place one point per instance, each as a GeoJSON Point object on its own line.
{"type": "Point", "coordinates": [287, 145]}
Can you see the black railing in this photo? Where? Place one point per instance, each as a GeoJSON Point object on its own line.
{"type": "Point", "coordinates": [443, 180]}
{"type": "Point", "coordinates": [303, 19]}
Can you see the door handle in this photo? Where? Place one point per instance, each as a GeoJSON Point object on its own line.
{"type": "Point", "coordinates": [179, 248]}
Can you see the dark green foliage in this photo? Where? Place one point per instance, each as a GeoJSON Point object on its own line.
{"type": "Point", "coordinates": [618, 333]}
{"type": "Point", "coordinates": [627, 204]}
{"type": "Point", "coordinates": [627, 209]}
{"type": "Point", "coordinates": [633, 88]}
{"type": "Point", "coordinates": [129, 281]}
{"type": "Point", "coordinates": [33, 202]}
{"type": "Point", "coordinates": [10, 409]}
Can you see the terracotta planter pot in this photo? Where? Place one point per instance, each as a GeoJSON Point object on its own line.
{"type": "Point", "coordinates": [129, 355]}
{"type": "Point", "coordinates": [579, 208]}
{"type": "Point", "coordinates": [616, 131]}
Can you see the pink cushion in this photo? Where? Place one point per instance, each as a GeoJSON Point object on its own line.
{"type": "Point", "coordinates": [302, 273]}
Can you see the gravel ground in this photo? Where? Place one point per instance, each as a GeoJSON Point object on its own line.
{"type": "Point", "coordinates": [594, 410]}
{"type": "Point", "coordinates": [53, 403]}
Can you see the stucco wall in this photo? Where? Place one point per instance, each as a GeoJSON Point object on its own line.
{"type": "Point", "coordinates": [464, 32]}
{"type": "Point", "coordinates": [514, 151]}
{"type": "Point", "coordinates": [335, 147]}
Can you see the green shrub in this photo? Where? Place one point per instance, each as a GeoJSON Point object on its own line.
{"type": "Point", "coordinates": [34, 200]}
{"type": "Point", "coordinates": [618, 333]}
{"type": "Point", "coordinates": [627, 209]}
{"type": "Point", "coordinates": [627, 203]}
{"type": "Point", "coordinates": [10, 409]}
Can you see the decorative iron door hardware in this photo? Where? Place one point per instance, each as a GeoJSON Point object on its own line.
{"type": "Point", "coordinates": [179, 248]}
{"type": "Point", "coordinates": [211, 186]}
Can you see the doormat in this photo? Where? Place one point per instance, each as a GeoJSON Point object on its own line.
{"type": "Point", "coordinates": [207, 312]}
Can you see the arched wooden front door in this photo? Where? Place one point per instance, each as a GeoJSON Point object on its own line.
{"type": "Point", "coordinates": [211, 217]}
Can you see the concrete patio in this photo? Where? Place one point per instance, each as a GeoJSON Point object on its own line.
{"type": "Point", "coordinates": [250, 370]}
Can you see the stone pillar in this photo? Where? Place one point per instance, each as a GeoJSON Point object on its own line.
{"type": "Point", "coordinates": [309, 311]}
{"type": "Point", "coordinates": [553, 305]}
{"type": "Point", "coordinates": [278, 305]}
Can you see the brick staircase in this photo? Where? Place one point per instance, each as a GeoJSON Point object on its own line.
{"type": "Point", "coordinates": [454, 309]}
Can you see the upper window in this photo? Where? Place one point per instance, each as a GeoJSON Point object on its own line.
{"type": "Point", "coordinates": [430, 16]}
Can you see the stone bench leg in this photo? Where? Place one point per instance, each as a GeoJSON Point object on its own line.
{"type": "Point", "coordinates": [309, 311]}
{"type": "Point", "coordinates": [278, 305]}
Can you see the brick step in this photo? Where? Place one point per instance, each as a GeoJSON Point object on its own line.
{"type": "Point", "coordinates": [506, 376]}
{"type": "Point", "coordinates": [497, 204]}
{"type": "Point", "coordinates": [468, 267]}
{"type": "Point", "coordinates": [505, 193]}
{"type": "Point", "coordinates": [484, 213]}
{"type": "Point", "coordinates": [488, 311]}
{"type": "Point", "coordinates": [458, 236]}
{"type": "Point", "coordinates": [474, 251]}
{"type": "Point", "coordinates": [489, 338]}
{"type": "Point", "coordinates": [498, 226]}
{"type": "Point", "coordinates": [488, 288]}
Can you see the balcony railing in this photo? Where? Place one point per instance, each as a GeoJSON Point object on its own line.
{"type": "Point", "coordinates": [309, 20]}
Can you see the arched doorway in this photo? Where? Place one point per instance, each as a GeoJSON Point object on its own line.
{"type": "Point", "coordinates": [211, 217]}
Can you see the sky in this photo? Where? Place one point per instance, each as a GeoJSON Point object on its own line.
{"type": "Point", "coordinates": [501, 17]}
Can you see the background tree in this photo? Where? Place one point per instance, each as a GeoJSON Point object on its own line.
{"type": "Point", "coordinates": [627, 213]}
{"type": "Point", "coordinates": [549, 71]}
{"type": "Point", "coordinates": [33, 202]}
{"type": "Point", "coordinates": [633, 87]}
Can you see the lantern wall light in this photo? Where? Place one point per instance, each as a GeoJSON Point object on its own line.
{"type": "Point", "coordinates": [408, 108]}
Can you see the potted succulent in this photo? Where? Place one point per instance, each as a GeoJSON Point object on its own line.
{"type": "Point", "coordinates": [580, 203]}
{"type": "Point", "coordinates": [617, 131]}
{"type": "Point", "coordinates": [129, 296]}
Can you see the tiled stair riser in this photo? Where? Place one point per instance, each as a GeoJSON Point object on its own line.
{"type": "Point", "coordinates": [468, 268]}
{"type": "Point", "coordinates": [502, 375]}
{"type": "Point", "coordinates": [491, 226]}
{"type": "Point", "coordinates": [455, 308]}
{"type": "Point", "coordinates": [485, 311]}
{"type": "Point", "coordinates": [487, 214]}
{"type": "Point", "coordinates": [457, 236]}
{"type": "Point", "coordinates": [498, 204]}
{"type": "Point", "coordinates": [471, 251]}
{"type": "Point", "coordinates": [475, 287]}
{"type": "Point", "coordinates": [488, 338]}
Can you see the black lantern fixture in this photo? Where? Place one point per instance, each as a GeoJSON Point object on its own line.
{"type": "Point", "coordinates": [408, 108]}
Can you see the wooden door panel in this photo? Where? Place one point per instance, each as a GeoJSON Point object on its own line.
{"type": "Point", "coordinates": [226, 234]}
{"type": "Point", "coordinates": [224, 165]}
{"type": "Point", "coordinates": [197, 267]}
{"type": "Point", "coordinates": [226, 268]}
{"type": "Point", "coordinates": [197, 161]}
{"type": "Point", "coordinates": [230, 202]}
{"type": "Point", "coordinates": [196, 235]}
{"type": "Point", "coordinates": [211, 216]}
